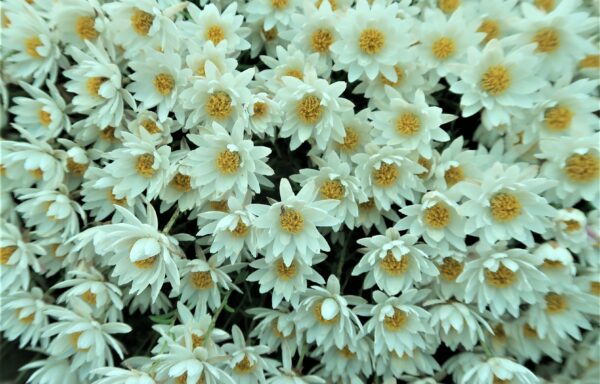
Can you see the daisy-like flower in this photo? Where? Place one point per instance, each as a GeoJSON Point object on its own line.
{"type": "Point", "coordinates": [287, 62]}
{"type": "Point", "coordinates": [437, 220]}
{"type": "Point", "coordinates": [198, 55]}
{"type": "Point", "coordinates": [273, 13]}
{"type": "Point", "coordinates": [43, 115]}
{"type": "Point", "coordinates": [575, 164]}
{"type": "Point", "coordinates": [246, 364]}
{"type": "Point", "coordinates": [357, 134]}
{"type": "Point", "coordinates": [50, 212]}
{"type": "Point", "coordinates": [79, 20]}
{"type": "Point", "coordinates": [139, 253]}
{"type": "Point", "coordinates": [570, 229]}
{"type": "Point", "coordinates": [276, 329]}
{"type": "Point", "coordinates": [312, 109]}
{"type": "Point", "coordinates": [143, 302]}
{"type": "Point", "coordinates": [178, 190]}
{"type": "Point", "coordinates": [24, 317]}
{"type": "Point", "coordinates": [502, 279]}
{"type": "Point", "coordinates": [335, 181]}
{"type": "Point", "coordinates": [391, 365]}
{"type": "Point", "coordinates": [496, 369]}
{"type": "Point", "coordinates": [506, 203]}
{"type": "Point", "coordinates": [115, 375]}
{"type": "Point", "coordinates": [289, 227]}
{"type": "Point", "coordinates": [393, 262]}
{"type": "Point", "coordinates": [209, 24]}
{"type": "Point", "coordinates": [387, 174]}
{"type": "Point", "coordinates": [52, 368]}
{"type": "Point", "coordinates": [16, 257]}
{"type": "Point", "coordinates": [137, 166]}
{"type": "Point", "coordinates": [96, 81]}
{"type": "Point", "coordinates": [370, 38]}
{"type": "Point", "coordinates": [287, 282]}
{"type": "Point", "coordinates": [216, 97]}
{"type": "Point", "coordinates": [326, 317]}
{"type": "Point", "coordinates": [399, 324]}
{"type": "Point", "coordinates": [157, 79]}
{"type": "Point", "coordinates": [450, 265]}
{"type": "Point", "coordinates": [350, 364]}
{"type": "Point", "coordinates": [528, 344]}
{"type": "Point", "coordinates": [263, 114]}
{"type": "Point", "coordinates": [29, 47]}
{"type": "Point", "coordinates": [227, 163]}
{"type": "Point", "coordinates": [148, 121]}
{"type": "Point", "coordinates": [456, 164]}
{"type": "Point", "coordinates": [411, 126]}
{"type": "Point", "coordinates": [557, 263]}
{"type": "Point", "coordinates": [498, 18]}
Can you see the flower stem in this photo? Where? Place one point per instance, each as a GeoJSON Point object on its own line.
{"type": "Point", "coordinates": [213, 322]}
{"type": "Point", "coordinates": [171, 221]}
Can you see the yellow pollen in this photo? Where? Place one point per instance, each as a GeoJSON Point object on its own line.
{"type": "Point", "coordinates": [547, 39]}
{"type": "Point", "coordinates": [393, 266]}
{"type": "Point", "coordinates": [491, 28]}
{"type": "Point", "coordinates": [367, 205]}
{"type": "Point", "coordinates": [555, 303]}
{"type": "Point", "coordinates": [371, 41]}
{"type": "Point", "coordinates": [5, 21]}
{"type": "Point", "coordinates": [150, 126]}
{"type": "Point", "coordinates": [498, 380]}
{"type": "Point", "coordinates": [595, 287]}
{"type": "Point", "coordinates": [309, 109]}
{"type": "Point", "coordinates": [351, 141]}
{"type": "Point", "coordinates": [425, 163]}
{"type": "Point", "coordinates": [286, 272]}
{"type": "Point", "coordinates": [74, 339]}
{"type": "Point", "coordinates": [582, 168]}
{"type": "Point", "coordinates": [332, 189]}
{"type": "Point", "coordinates": [44, 117]}
{"type": "Point", "coordinates": [553, 264]}
{"type": "Point", "coordinates": [240, 229]}
{"type": "Point", "coordinates": [228, 162]}
{"type": "Point", "coordinates": [443, 48]}
{"type": "Point", "coordinates": [502, 278]}
{"type": "Point", "coordinates": [77, 169]}
{"type": "Point", "coordinates": [277, 332]}
{"type": "Point", "coordinates": [220, 206]}
{"type": "Point", "coordinates": [259, 109]}
{"type": "Point", "coordinates": [181, 182]}
{"type": "Point", "coordinates": [395, 322]}
{"type": "Point", "coordinates": [197, 340]}
{"type": "Point", "coordinates": [558, 118]}
{"type": "Point", "coordinates": [141, 22]}
{"type": "Point", "coordinates": [143, 165]}
{"type": "Point", "coordinates": [399, 74]}
{"type": "Point", "coordinates": [108, 134]}
{"type": "Point", "coordinates": [437, 217]}
{"type": "Point", "coordinates": [2, 170]}
{"type": "Point", "coordinates": [6, 253]}
{"type": "Point", "coordinates": [450, 269]}
{"type": "Point", "coordinates": [347, 353]}
{"type": "Point", "coordinates": [37, 173]}
{"type": "Point", "coordinates": [496, 80]}
{"type": "Point", "coordinates": [215, 33]}
{"type": "Point", "coordinates": [590, 61]}
{"type": "Point", "coordinates": [218, 105]}
{"type": "Point", "coordinates": [448, 6]}
{"type": "Point", "coordinates": [164, 83]}
{"type": "Point", "coordinates": [505, 207]}
{"type": "Point", "coordinates": [294, 73]}
{"type": "Point", "coordinates": [333, 4]}
{"type": "Point", "coordinates": [201, 71]}
{"type": "Point", "coordinates": [84, 27]}
{"type": "Point", "coordinates": [202, 280]}
{"type": "Point", "coordinates": [113, 199]}
{"type": "Point", "coordinates": [319, 316]}
{"type": "Point", "coordinates": [529, 332]}
{"type": "Point", "coordinates": [146, 263]}
{"type": "Point", "coordinates": [454, 175]}
{"type": "Point", "coordinates": [386, 175]}
{"type": "Point", "coordinates": [25, 320]}
{"type": "Point", "coordinates": [321, 40]}
{"type": "Point", "coordinates": [499, 332]}
{"type": "Point", "coordinates": [279, 4]}
{"type": "Point", "coordinates": [291, 220]}
{"type": "Point", "coordinates": [269, 35]}
{"type": "Point", "coordinates": [93, 85]}
{"type": "Point", "coordinates": [545, 5]}
{"type": "Point", "coordinates": [89, 297]}
{"type": "Point", "coordinates": [244, 365]}
{"type": "Point", "coordinates": [31, 46]}
{"type": "Point", "coordinates": [572, 225]}
{"type": "Point", "coordinates": [408, 124]}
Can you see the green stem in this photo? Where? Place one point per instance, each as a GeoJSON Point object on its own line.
{"type": "Point", "coordinates": [213, 322]}
{"type": "Point", "coordinates": [343, 256]}
{"type": "Point", "coordinates": [301, 359]}
{"type": "Point", "coordinates": [171, 221]}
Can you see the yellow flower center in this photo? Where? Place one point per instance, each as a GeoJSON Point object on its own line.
{"type": "Point", "coordinates": [77, 169]}
{"type": "Point", "coordinates": [113, 199]}
{"type": "Point", "coordinates": [332, 189]}
{"type": "Point", "coordinates": [201, 280]}
{"type": "Point", "coordinates": [286, 272]}
{"type": "Point", "coordinates": [501, 278]}
{"type": "Point", "coordinates": [319, 316]}
{"type": "Point", "coordinates": [505, 207]}
{"type": "Point", "coordinates": [529, 332]}
{"type": "Point", "coordinates": [228, 162]}
{"type": "Point", "coordinates": [26, 319]}
{"type": "Point", "coordinates": [277, 332]}
{"type": "Point", "coordinates": [291, 220]}
{"type": "Point", "coordinates": [5, 20]}
{"type": "Point", "coordinates": [309, 109]}
{"type": "Point", "coordinates": [347, 353]}
{"type": "Point", "coordinates": [408, 124]}
{"type": "Point", "coordinates": [572, 225]}
{"type": "Point", "coordinates": [31, 46]}
{"type": "Point", "coordinates": [555, 303]}
{"type": "Point", "coordinates": [150, 126]}
{"type": "Point", "coordinates": [89, 297]}
{"type": "Point", "coordinates": [321, 40]}
{"type": "Point", "coordinates": [491, 28]}
{"type": "Point", "coordinates": [143, 165]}
{"type": "Point", "coordinates": [279, 4]}
{"type": "Point", "coordinates": [44, 117]}
{"type": "Point", "coordinates": [545, 5]}
{"type": "Point", "coordinates": [259, 109]}
{"type": "Point", "coordinates": [93, 85]}
{"type": "Point", "coordinates": [437, 217]}
{"type": "Point", "coordinates": [182, 379]}
{"type": "Point", "coordinates": [450, 269]}
{"type": "Point", "coordinates": [244, 366]}
{"type": "Point", "coordinates": [181, 182]}
{"type": "Point", "coordinates": [499, 332]}
{"type": "Point", "coordinates": [141, 22]}
{"type": "Point", "coordinates": [197, 340]}
{"type": "Point", "coordinates": [399, 74]}
{"type": "Point", "coordinates": [454, 175]}
{"type": "Point", "coordinates": [590, 61]}
{"type": "Point", "coordinates": [108, 134]}
{"type": "Point", "coordinates": [595, 287]}
{"type": "Point", "coordinates": [240, 229]}
{"type": "Point", "coordinates": [582, 168]}
{"type": "Point", "coordinates": [146, 263]}
{"type": "Point", "coordinates": [269, 35]}
{"type": "Point", "coordinates": [215, 33]}
{"type": "Point", "coordinates": [163, 83]}
{"type": "Point", "coordinates": [496, 80]}
{"type": "Point", "coordinates": [393, 266]}
{"type": "Point", "coordinates": [74, 339]}
{"type": "Point", "coordinates": [218, 105]}
{"type": "Point", "coordinates": [443, 48]}
{"type": "Point", "coordinates": [552, 264]}
{"type": "Point", "coordinates": [371, 41]}
{"type": "Point", "coordinates": [350, 142]}
{"type": "Point", "coordinates": [367, 205]}
{"type": "Point", "coordinates": [386, 175]}
{"type": "Point", "coordinates": [558, 118]}
{"type": "Point", "coordinates": [448, 6]}
{"type": "Point", "coordinates": [37, 173]}
{"type": "Point", "coordinates": [84, 27]}
{"type": "Point", "coordinates": [220, 206]}
{"type": "Point", "coordinates": [395, 322]}
{"type": "Point", "coordinates": [497, 380]}
{"type": "Point", "coordinates": [333, 4]}
{"type": "Point", "coordinates": [547, 39]}
{"type": "Point", "coordinates": [6, 253]}
{"type": "Point", "coordinates": [425, 163]}
{"type": "Point", "coordinates": [293, 72]}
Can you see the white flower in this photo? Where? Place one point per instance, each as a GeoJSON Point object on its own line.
{"type": "Point", "coordinates": [286, 62]}
{"type": "Point", "coordinates": [99, 198]}
{"type": "Point", "coordinates": [79, 20]}
{"type": "Point", "coordinates": [357, 134]}
{"type": "Point", "coordinates": [23, 317]}
{"type": "Point", "coordinates": [16, 257]}
{"type": "Point", "coordinates": [114, 375]}
{"type": "Point", "coordinates": [276, 329]}
{"type": "Point", "coordinates": [456, 164]}
{"type": "Point", "coordinates": [246, 364]}
{"type": "Point", "coordinates": [351, 363]}
{"type": "Point", "coordinates": [52, 370]}
{"type": "Point", "coordinates": [178, 190]}
{"type": "Point", "coordinates": [198, 55]}
{"type": "Point", "coordinates": [273, 13]}
{"type": "Point", "coordinates": [456, 324]}
{"type": "Point", "coordinates": [419, 363]}
{"type": "Point", "coordinates": [496, 369]}
{"type": "Point", "coordinates": [263, 114]}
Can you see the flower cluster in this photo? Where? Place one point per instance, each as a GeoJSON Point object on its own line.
{"type": "Point", "coordinates": [286, 191]}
